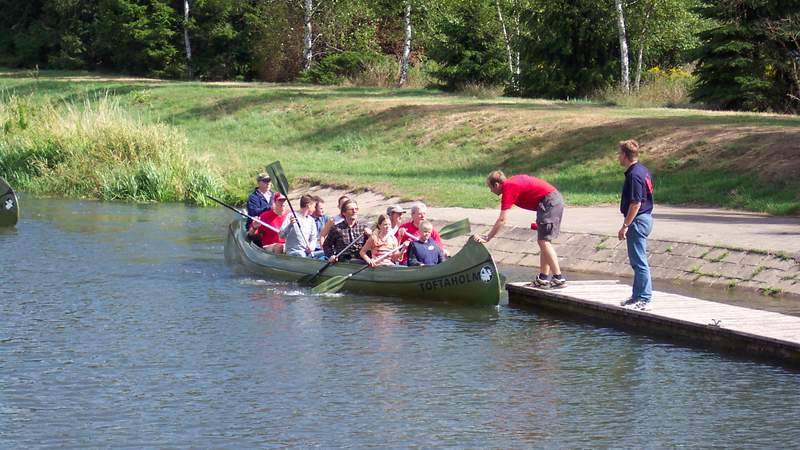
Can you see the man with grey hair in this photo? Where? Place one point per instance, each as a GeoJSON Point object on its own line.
{"type": "Point", "coordinates": [410, 231]}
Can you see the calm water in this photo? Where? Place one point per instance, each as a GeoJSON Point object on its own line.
{"type": "Point", "coordinates": [120, 326]}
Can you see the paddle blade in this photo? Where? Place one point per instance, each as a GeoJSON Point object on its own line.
{"type": "Point", "coordinates": [455, 229]}
{"type": "Point", "coordinates": [330, 286]}
{"type": "Point", "coordinates": [275, 172]}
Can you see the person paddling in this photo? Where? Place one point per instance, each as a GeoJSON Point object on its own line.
{"type": "Point", "coordinates": [344, 233]}
{"type": "Point", "coordinates": [532, 194]}
{"type": "Point", "coordinates": [260, 199]}
{"type": "Point", "coordinates": [269, 238]}
{"type": "Point", "coordinates": [381, 242]}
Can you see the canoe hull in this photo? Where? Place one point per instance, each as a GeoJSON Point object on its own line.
{"type": "Point", "coordinates": [470, 277]}
{"type": "Point", "coordinates": [9, 207]}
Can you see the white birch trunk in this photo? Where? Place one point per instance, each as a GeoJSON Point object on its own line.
{"type": "Point", "coordinates": [516, 22]}
{"type": "Point", "coordinates": [186, 41]}
{"type": "Point", "coordinates": [505, 37]}
{"type": "Point", "coordinates": [638, 81]}
{"type": "Point", "coordinates": [625, 80]}
{"type": "Point", "coordinates": [308, 38]}
{"type": "Point", "coordinates": [404, 61]}
{"type": "Point", "coordinates": [642, 38]}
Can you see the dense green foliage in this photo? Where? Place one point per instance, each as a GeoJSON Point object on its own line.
{"type": "Point", "coordinates": [469, 47]}
{"type": "Point", "coordinates": [748, 49]}
{"type": "Point", "coordinates": [750, 61]}
{"type": "Point", "coordinates": [335, 68]}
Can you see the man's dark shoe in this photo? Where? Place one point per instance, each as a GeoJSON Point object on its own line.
{"type": "Point", "coordinates": [628, 301]}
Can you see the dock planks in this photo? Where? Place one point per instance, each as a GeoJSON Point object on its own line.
{"type": "Point", "coordinates": [737, 329]}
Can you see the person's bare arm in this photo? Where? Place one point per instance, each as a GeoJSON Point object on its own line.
{"type": "Point", "coordinates": [633, 210]}
{"type": "Point", "coordinates": [498, 225]}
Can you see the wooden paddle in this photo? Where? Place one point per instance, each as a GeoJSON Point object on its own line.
{"type": "Point", "coordinates": [275, 172]}
{"type": "Point", "coordinates": [308, 279]}
{"type": "Point", "coordinates": [254, 219]}
{"type": "Point", "coordinates": [449, 231]}
{"type": "Point", "coordinates": [335, 284]}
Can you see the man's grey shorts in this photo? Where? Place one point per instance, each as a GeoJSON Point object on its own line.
{"type": "Point", "coordinates": [548, 216]}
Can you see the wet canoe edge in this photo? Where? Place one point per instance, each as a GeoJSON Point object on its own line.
{"type": "Point", "coordinates": [468, 278]}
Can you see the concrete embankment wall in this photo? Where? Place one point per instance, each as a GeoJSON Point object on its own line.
{"type": "Point", "coordinates": [680, 262]}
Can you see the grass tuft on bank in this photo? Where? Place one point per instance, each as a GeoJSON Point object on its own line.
{"type": "Point", "coordinates": [95, 149]}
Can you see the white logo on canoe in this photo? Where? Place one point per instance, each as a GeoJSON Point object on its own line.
{"type": "Point", "coordinates": [8, 204]}
{"type": "Point", "coordinates": [486, 274]}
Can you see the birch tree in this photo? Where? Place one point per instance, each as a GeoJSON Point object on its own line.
{"type": "Point", "coordinates": [186, 41]}
{"type": "Point", "coordinates": [308, 36]}
{"type": "Point", "coordinates": [625, 77]}
{"type": "Point", "coordinates": [505, 37]}
{"type": "Point", "coordinates": [406, 45]}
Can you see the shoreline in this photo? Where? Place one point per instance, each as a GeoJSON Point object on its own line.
{"type": "Point", "coordinates": [716, 265]}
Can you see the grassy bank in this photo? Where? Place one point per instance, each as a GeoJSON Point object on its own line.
{"type": "Point", "coordinates": [424, 144]}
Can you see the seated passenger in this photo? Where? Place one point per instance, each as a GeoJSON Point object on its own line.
{"type": "Point", "coordinates": [382, 242]}
{"type": "Point", "coordinates": [424, 252]}
{"type": "Point", "coordinates": [344, 233]}
{"type": "Point", "coordinates": [395, 213]}
{"type": "Point", "coordinates": [335, 220]}
{"type": "Point", "coordinates": [410, 231]}
{"type": "Point", "coordinates": [320, 218]}
{"type": "Point", "coordinates": [260, 199]}
{"type": "Point", "coordinates": [301, 234]}
{"type": "Point", "coordinates": [269, 238]}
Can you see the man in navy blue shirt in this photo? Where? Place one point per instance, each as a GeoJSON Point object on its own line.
{"type": "Point", "coordinates": [260, 199]}
{"type": "Point", "coordinates": [636, 206]}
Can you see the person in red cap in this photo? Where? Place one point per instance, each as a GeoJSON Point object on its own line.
{"type": "Point", "coordinates": [537, 195]}
{"type": "Point", "coordinates": [269, 238]}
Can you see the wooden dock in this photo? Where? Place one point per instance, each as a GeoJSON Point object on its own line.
{"type": "Point", "coordinates": [724, 327]}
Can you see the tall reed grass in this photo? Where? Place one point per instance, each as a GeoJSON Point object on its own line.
{"type": "Point", "coordinates": [660, 88]}
{"type": "Point", "coordinates": [97, 150]}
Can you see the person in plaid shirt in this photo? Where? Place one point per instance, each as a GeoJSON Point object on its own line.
{"type": "Point", "coordinates": [344, 233]}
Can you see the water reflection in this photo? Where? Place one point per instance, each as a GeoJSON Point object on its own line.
{"type": "Point", "coordinates": [144, 338]}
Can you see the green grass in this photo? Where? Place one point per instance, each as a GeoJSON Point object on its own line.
{"type": "Point", "coordinates": [414, 143]}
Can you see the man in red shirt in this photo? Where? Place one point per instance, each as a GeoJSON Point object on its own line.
{"type": "Point", "coordinates": [270, 240]}
{"type": "Point", "coordinates": [535, 195]}
{"type": "Point", "coordinates": [410, 231]}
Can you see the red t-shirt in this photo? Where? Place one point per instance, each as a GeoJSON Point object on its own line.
{"type": "Point", "coordinates": [268, 236]}
{"type": "Point", "coordinates": [411, 228]}
{"type": "Point", "coordinates": [524, 191]}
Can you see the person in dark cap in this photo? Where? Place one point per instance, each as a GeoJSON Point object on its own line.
{"type": "Point", "coordinates": [260, 199]}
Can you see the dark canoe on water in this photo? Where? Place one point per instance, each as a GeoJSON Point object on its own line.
{"type": "Point", "coordinates": [470, 277]}
{"type": "Point", "coordinates": [9, 209]}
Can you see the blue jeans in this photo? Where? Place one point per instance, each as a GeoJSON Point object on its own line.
{"type": "Point", "coordinates": [637, 254]}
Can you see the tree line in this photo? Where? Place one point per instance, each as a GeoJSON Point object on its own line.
{"type": "Point", "coordinates": [745, 53]}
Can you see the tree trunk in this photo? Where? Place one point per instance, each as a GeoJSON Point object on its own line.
{"type": "Point", "coordinates": [625, 81]}
{"type": "Point", "coordinates": [308, 38]}
{"type": "Point", "coordinates": [505, 37]}
{"type": "Point", "coordinates": [642, 38]}
{"type": "Point", "coordinates": [189, 71]}
{"type": "Point", "coordinates": [406, 46]}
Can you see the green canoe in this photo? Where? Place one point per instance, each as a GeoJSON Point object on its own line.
{"type": "Point", "coordinates": [470, 277]}
{"type": "Point", "coordinates": [9, 209]}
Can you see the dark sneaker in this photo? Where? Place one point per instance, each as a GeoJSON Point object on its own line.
{"type": "Point", "coordinates": [628, 301]}
{"type": "Point", "coordinates": [541, 281]}
{"type": "Point", "coordinates": [558, 281]}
